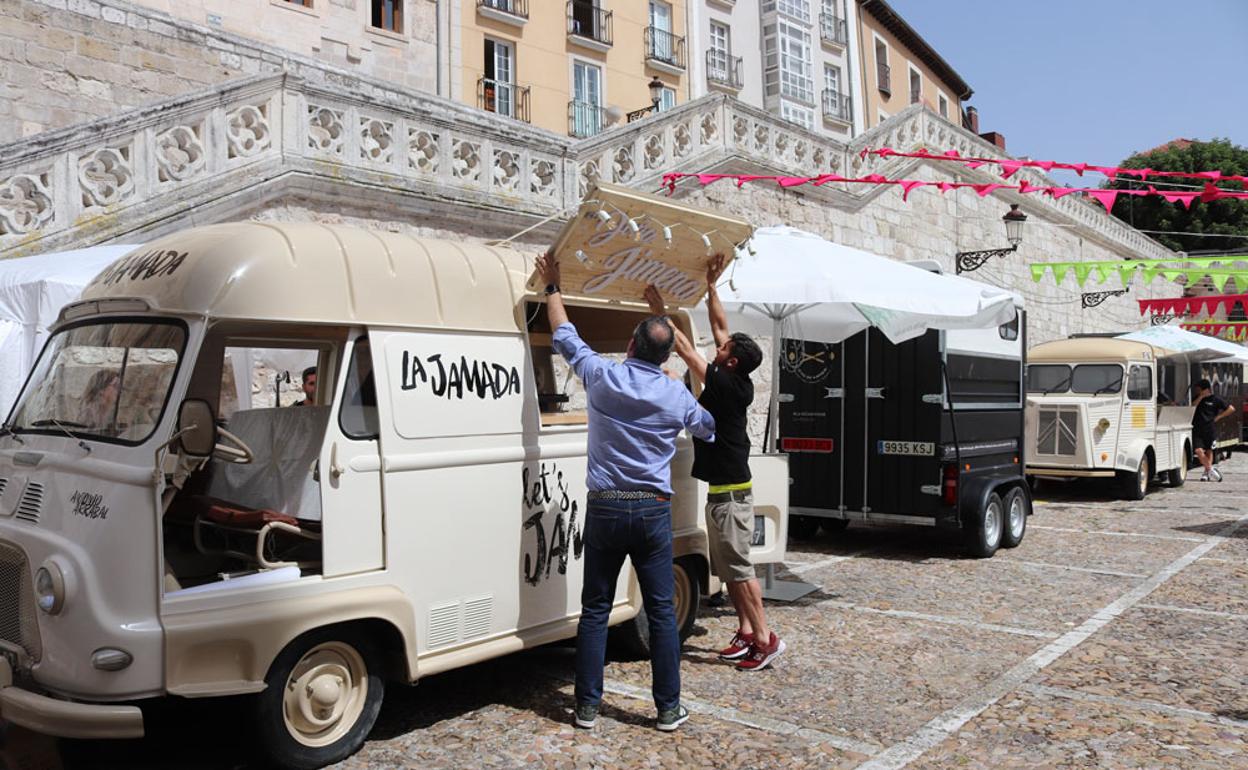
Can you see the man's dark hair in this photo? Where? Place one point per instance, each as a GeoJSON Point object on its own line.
{"type": "Point", "coordinates": [747, 352]}
{"type": "Point", "coordinates": [653, 340]}
{"type": "Point", "coordinates": [309, 371]}
{"type": "Point", "coordinates": [1204, 385]}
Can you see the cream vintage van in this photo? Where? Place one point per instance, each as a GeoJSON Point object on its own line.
{"type": "Point", "coordinates": [1093, 411]}
{"type": "Point", "coordinates": [165, 530]}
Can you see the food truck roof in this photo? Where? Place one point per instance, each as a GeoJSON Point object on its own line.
{"type": "Point", "coordinates": [1089, 349]}
{"type": "Point", "coordinates": [319, 274]}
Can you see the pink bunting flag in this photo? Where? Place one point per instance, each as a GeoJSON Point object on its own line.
{"type": "Point", "coordinates": [1078, 168]}
{"type": "Point", "coordinates": [983, 190]}
{"type": "Point", "coordinates": [1109, 171]}
{"type": "Point", "coordinates": [1105, 197]}
{"type": "Point", "coordinates": [1025, 187]}
{"type": "Point", "coordinates": [1009, 167]}
{"type": "Point", "coordinates": [974, 164]}
{"type": "Point", "coordinates": [792, 181]}
{"type": "Point", "coordinates": [874, 178]}
{"type": "Point", "coordinates": [1044, 165]}
{"type": "Point", "coordinates": [945, 187]}
{"type": "Point", "coordinates": [907, 185]}
{"type": "Point", "coordinates": [1059, 192]}
{"type": "Point", "coordinates": [743, 178]}
{"type": "Point", "coordinates": [952, 154]}
{"type": "Point", "coordinates": [705, 179]}
{"type": "Point", "coordinates": [1210, 193]}
{"type": "Point", "coordinates": [826, 178]}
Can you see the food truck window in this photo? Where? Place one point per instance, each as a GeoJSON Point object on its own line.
{"type": "Point", "coordinates": [1140, 383]}
{"type": "Point", "coordinates": [1048, 378]}
{"type": "Point", "coordinates": [1094, 379]}
{"type": "Point", "coordinates": [256, 377]}
{"type": "Point", "coordinates": [358, 416]}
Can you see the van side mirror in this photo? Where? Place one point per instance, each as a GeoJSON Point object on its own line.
{"type": "Point", "coordinates": [197, 428]}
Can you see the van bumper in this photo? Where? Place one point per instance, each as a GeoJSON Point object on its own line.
{"type": "Point", "coordinates": [65, 719]}
{"type": "Point", "coordinates": [1082, 473]}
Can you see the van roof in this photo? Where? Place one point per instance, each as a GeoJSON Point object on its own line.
{"type": "Point", "coordinates": [1086, 349]}
{"type": "Point", "coordinates": [321, 274]}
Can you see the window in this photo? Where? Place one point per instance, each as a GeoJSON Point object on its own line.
{"type": "Point", "coordinates": [586, 109]}
{"type": "Point", "coordinates": [1140, 383]}
{"type": "Point", "coordinates": [944, 105]}
{"type": "Point", "coordinates": [803, 116]}
{"type": "Point", "coordinates": [797, 9]}
{"type": "Point", "coordinates": [916, 87]}
{"type": "Point", "coordinates": [358, 416]}
{"type": "Point", "coordinates": [832, 79]}
{"type": "Point", "coordinates": [1048, 378]}
{"type": "Point", "coordinates": [388, 15]}
{"type": "Point", "coordinates": [667, 99]}
{"type": "Point", "coordinates": [787, 61]}
{"type": "Point", "coordinates": [499, 85]}
{"type": "Point", "coordinates": [883, 78]}
{"type": "Point", "coordinates": [1094, 379]}
{"type": "Point", "coordinates": [720, 52]}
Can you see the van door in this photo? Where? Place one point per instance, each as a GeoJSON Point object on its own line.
{"type": "Point", "coordinates": [350, 471]}
{"type": "Point", "coordinates": [812, 389]}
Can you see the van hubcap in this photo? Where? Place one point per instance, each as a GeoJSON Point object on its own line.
{"type": "Point", "coordinates": [1144, 475]}
{"type": "Point", "coordinates": [325, 694]}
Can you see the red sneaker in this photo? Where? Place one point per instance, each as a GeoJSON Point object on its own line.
{"type": "Point", "coordinates": [760, 656]}
{"type": "Point", "coordinates": [738, 648]}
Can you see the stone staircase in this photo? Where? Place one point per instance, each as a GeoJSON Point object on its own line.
{"type": "Point", "coordinates": [232, 150]}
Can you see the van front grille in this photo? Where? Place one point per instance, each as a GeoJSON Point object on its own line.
{"type": "Point", "coordinates": [1056, 432]}
{"type": "Point", "coordinates": [18, 622]}
{"type": "Point", "coordinates": [31, 504]}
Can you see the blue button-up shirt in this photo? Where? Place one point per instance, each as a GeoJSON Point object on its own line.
{"type": "Point", "coordinates": [635, 414]}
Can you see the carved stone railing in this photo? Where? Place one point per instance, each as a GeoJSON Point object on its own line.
{"type": "Point", "coordinates": [131, 172]}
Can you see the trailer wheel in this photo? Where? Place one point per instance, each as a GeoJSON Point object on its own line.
{"type": "Point", "coordinates": [803, 527]}
{"type": "Point", "coordinates": [633, 637]}
{"type": "Point", "coordinates": [1017, 509]}
{"type": "Point", "coordinates": [323, 695]}
{"type": "Point", "coordinates": [1176, 477]}
{"type": "Point", "coordinates": [984, 536]}
{"type": "Point", "coordinates": [1135, 485]}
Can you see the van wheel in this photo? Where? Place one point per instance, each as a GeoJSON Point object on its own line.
{"type": "Point", "coordinates": [803, 527]}
{"type": "Point", "coordinates": [984, 536]}
{"type": "Point", "coordinates": [1135, 485]}
{"type": "Point", "coordinates": [323, 695]}
{"type": "Point", "coordinates": [1176, 477]}
{"type": "Point", "coordinates": [1017, 509]}
{"type": "Point", "coordinates": [633, 637]}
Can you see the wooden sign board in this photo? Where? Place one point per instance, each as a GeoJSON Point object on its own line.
{"type": "Point", "coordinates": [620, 241]}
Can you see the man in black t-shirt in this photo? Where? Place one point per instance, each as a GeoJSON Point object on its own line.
{"type": "Point", "coordinates": [724, 465]}
{"type": "Point", "coordinates": [1210, 408]}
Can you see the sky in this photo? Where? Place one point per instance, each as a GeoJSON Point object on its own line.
{"type": "Point", "coordinates": [1095, 80]}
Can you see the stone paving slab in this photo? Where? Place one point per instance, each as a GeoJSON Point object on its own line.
{"type": "Point", "coordinates": [1208, 585]}
{"type": "Point", "coordinates": [1136, 517]}
{"type": "Point", "coordinates": [1174, 658]}
{"type": "Point", "coordinates": [866, 677]}
{"type": "Point", "coordinates": [1141, 556]}
{"type": "Point", "coordinates": [982, 590]}
{"type": "Point", "coordinates": [1030, 730]}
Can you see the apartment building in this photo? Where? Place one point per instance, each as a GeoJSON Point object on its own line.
{"type": "Point", "coordinates": [574, 67]}
{"type": "Point", "coordinates": [793, 58]}
{"type": "Point", "coordinates": [393, 40]}
{"type": "Point", "coordinates": [900, 68]}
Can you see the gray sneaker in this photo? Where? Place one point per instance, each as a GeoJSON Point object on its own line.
{"type": "Point", "coordinates": [586, 715]}
{"type": "Point", "coordinates": [1217, 474]}
{"type": "Point", "coordinates": [670, 719]}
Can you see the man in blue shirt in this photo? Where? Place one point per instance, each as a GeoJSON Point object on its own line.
{"type": "Point", "coordinates": [635, 414]}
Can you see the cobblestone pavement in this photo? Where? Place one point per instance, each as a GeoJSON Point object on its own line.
{"type": "Point", "coordinates": [1115, 636]}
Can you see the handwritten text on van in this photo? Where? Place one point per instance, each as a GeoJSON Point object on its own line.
{"type": "Point", "coordinates": [459, 379]}
{"type": "Point", "coordinates": [141, 267]}
{"type": "Point", "coordinates": [565, 538]}
{"type": "Point", "coordinates": [635, 262]}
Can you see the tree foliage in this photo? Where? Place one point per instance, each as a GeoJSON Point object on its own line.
{"type": "Point", "coordinates": [1228, 218]}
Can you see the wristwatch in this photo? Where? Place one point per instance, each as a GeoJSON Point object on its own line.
{"type": "Point", "coordinates": [552, 288]}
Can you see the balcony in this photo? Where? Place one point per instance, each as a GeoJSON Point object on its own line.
{"type": "Point", "coordinates": [883, 77]}
{"type": "Point", "coordinates": [833, 30]}
{"type": "Point", "coordinates": [916, 95]}
{"type": "Point", "coordinates": [589, 26]}
{"type": "Point", "coordinates": [506, 99]}
{"type": "Point", "coordinates": [585, 119]}
{"type": "Point", "coordinates": [513, 12]}
{"type": "Point", "coordinates": [665, 51]}
{"type": "Point", "coordinates": [723, 72]}
{"type": "Point", "coordinates": [837, 106]}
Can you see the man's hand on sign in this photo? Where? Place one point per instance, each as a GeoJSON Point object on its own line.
{"type": "Point", "coordinates": [548, 266]}
{"type": "Point", "coordinates": [655, 300]}
{"type": "Point", "coordinates": [714, 269]}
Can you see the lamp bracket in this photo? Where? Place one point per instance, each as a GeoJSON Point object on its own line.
{"type": "Point", "coordinates": [1094, 298]}
{"type": "Point", "coordinates": [968, 261]}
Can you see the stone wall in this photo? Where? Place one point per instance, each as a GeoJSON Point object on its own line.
{"type": "Point", "coordinates": [64, 62]}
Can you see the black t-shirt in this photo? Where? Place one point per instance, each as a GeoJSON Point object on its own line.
{"type": "Point", "coordinates": [1207, 411]}
{"type": "Point", "coordinates": [727, 397]}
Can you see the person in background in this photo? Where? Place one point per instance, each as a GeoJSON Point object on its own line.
{"type": "Point", "coordinates": [309, 388]}
{"type": "Point", "coordinates": [635, 414]}
{"type": "Point", "coordinates": [725, 466]}
{"type": "Point", "coordinates": [99, 401]}
{"type": "Point", "coordinates": [1210, 408]}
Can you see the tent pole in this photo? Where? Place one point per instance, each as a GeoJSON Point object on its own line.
{"type": "Point", "coordinates": [773, 411]}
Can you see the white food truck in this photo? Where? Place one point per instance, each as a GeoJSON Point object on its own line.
{"type": "Point", "coordinates": [1093, 411]}
{"type": "Point", "coordinates": [166, 531]}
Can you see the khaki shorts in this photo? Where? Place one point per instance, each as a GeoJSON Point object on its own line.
{"type": "Point", "coordinates": [730, 525]}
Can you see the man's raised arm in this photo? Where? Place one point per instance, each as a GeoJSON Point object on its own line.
{"type": "Point", "coordinates": [684, 347]}
{"type": "Point", "coordinates": [715, 308]}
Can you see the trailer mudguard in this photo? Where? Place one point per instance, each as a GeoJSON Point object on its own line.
{"type": "Point", "coordinates": [974, 492]}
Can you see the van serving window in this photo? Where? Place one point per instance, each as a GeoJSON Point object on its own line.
{"type": "Point", "coordinates": [1140, 383]}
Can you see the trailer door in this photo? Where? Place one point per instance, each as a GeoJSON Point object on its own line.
{"type": "Point", "coordinates": [903, 393]}
{"type": "Point", "coordinates": [811, 387]}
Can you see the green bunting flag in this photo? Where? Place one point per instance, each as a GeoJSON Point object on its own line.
{"type": "Point", "coordinates": [1037, 271]}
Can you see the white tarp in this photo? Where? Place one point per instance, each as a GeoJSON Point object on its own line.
{"type": "Point", "coordinates": [32, 292]}
{"type": "Point", "coordinates": [832, 292]}
{"type": "Point", "coordinates": [1189, 345]}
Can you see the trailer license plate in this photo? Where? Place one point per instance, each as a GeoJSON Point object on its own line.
{"type": "Point", "coordinates": [912, 448]}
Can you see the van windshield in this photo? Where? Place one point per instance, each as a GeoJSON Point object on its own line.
{"type": "Point", "coordinates": [106, 380]}
{"type": "Point", "coordinates": [1092, 379]}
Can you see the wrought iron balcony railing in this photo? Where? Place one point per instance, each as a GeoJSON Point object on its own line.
{"type": "Point", "coordinates": [585, 119]}
{"type": "Point", "coordinates": [506, 99]}
{"type": "Point", "coordinates": [838, 105]}
{"type": "Point", "coordinates": [588, 21]}
{"type": "Point", "coordinates": [884, 79]}
{"type": "Point", "coordinates": [723, 70]}
{"type": "Point", "coordinates": [664, 47]}
{"type": "Point", "coordinates": [833, 29]}
{"type": "Point", "coordinates": [517, 8]}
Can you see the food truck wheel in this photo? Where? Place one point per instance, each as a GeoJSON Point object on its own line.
{"type": "Point", "coordinates": [1135, 485]}
{"type": "Point", "coordinates": [323, 695]}
{"type": "Point", "coordinates": [984, 536]}
{"type": "Point", "coordinates": [1017, 507]}
{"type": "Point", "coordinates": [1178, 475]}
{"type": "Point", "coordinates": [803, 527]}
{"type": "Point", "coordinates": [634, 636]}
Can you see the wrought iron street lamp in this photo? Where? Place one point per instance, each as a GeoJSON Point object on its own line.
{"type": "Point", "coordinates": [656, 95]}
{"type": "Point", "coordinates": [974, 260]}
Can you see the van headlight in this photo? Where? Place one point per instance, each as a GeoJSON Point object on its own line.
{"type": "Point", "coordinates": [50, 588]}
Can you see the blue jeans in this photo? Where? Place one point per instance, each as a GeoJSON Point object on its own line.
{"type": "Point", "coordinates": [642, 531]}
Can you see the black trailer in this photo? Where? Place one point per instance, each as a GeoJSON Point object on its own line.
{"type": "Point", "coordinates": [927, 432]}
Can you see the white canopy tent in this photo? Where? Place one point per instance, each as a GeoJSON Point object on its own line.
{"type": "Point", "coordinates": [1189, 346]}
{"type": "Point", "coordinates": [32, 292]}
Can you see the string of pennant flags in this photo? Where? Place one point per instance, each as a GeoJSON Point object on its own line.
{"type": "Point", "coordinates": [1148, 269]}
{"type": "Point", "coordinates": [1190, 306]}
{"type": "Point", "coordinates": [1234, 330]}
